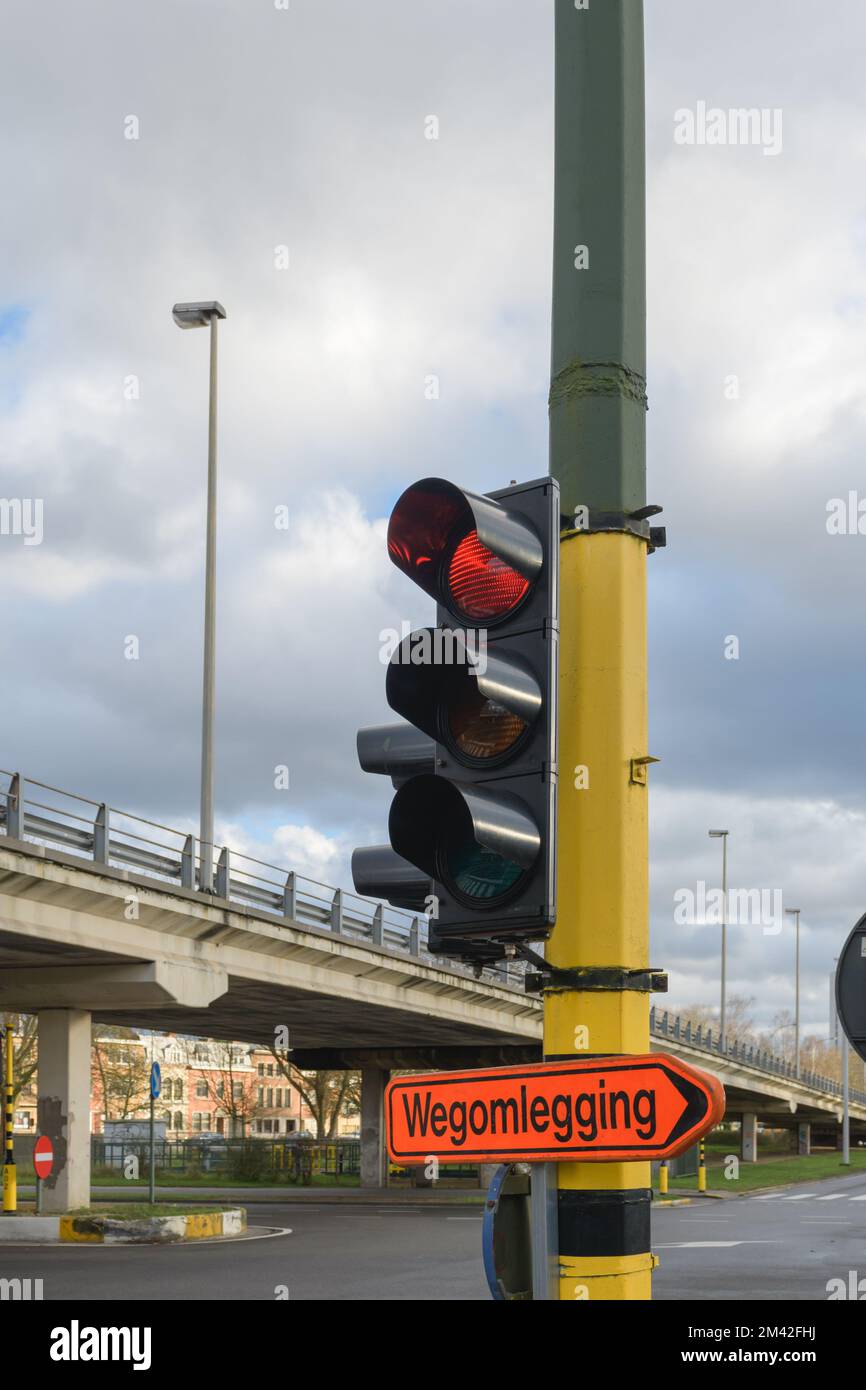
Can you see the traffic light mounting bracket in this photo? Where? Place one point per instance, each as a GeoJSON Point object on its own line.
{"type": "Point", "coordinates": [637, 523]}
{"type": "Point", "coordinates": [550, 978]}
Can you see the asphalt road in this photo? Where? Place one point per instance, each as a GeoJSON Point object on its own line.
{"type": "Point", "coordinates": [785, 1246]}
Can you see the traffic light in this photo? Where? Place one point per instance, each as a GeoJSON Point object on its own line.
{"type": "Point", "coordinates": [474, 765]}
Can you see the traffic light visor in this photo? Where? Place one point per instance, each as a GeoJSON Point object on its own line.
{"type": "Point", "coordinates": [467, 551]}
{"type": "Point", "coordinates": [479, 844]}
{"type": "Point", "coordinates": [479, 701]}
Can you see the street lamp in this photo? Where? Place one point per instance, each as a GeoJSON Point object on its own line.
{"type": "Point", "coordinates": [199, 315]}
{"type": "Point", "coordinates": [795, 912]}
{"type": "Point", "coordinates": [723, 836]}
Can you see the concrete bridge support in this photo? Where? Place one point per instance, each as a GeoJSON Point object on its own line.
{"type": "Point", "coordinates": [374, 1158]}
{"type": "Point", "coordinates": [749, 1137]}
{"type": "Point", "coordinates": [64, 1087]}
{"type": "Point", "coordinates": [804, 1139]}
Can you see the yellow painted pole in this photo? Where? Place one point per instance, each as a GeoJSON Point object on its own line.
{"type": "Point", "coordinates": [10, 1185]}
{"type": "Point", "coordinates": [702, 1168]}
{"type": "Point", "coordinates": [602, 891]}
{"type": "Point", "coordinates": [663, 1178]}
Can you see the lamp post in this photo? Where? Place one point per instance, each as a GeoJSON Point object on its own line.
{"type": "Point", "coordinates": [200, 315]}
{"type": "Point", "coordinates": [795, 913]}
{"type": "Point", "coordinates": [723, 836]}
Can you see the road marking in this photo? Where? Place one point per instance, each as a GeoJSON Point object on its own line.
{"type": "Point", "coordinates": [713, 1244]}
{"type": "Point", "coordinates": [835, 1197]}
{"type": "Point", "coordinates": [800, 1197]}
{"type": "Point", "coordinates": [859, 1199]}
{"type": "Point", "coordinates": [765, 1196]}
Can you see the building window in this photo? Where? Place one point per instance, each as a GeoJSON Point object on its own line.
{"type": "Point", "coordinates": [178, 1119]}
{"type": "Point", "coordinates": [261, 1068]}
{"type": "Point", "coordinates": [201, 1088]}
{"type": "Point", "coordinates": [196, 1122]}
{"type": "Point", "coordinates": [270, 1098]}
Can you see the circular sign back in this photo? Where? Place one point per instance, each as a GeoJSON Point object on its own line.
{"type": "Point", "coordinates": [851, 988]}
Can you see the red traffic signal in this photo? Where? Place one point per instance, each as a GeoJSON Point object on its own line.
{"type": "Point", "coordinates": [478, 821]}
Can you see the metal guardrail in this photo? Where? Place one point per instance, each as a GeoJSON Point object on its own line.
{"type": "Point", "coordinates": [100, 834]}
{"type": "Point", "coordinates": [667, 1025]}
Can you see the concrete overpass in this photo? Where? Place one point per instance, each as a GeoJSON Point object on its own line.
{"type": "Point", "coordinates": [100, 919]}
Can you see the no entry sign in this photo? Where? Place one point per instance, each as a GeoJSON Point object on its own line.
{"type": "Point", "coordinates": [606, 1109]}
{"type": "Point", "coordinates": [43, 1157]}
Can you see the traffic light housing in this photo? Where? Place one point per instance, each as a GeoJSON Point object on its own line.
{"type": "Point", "coordinates": [474, 765]}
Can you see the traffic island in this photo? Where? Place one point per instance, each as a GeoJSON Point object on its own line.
{"type": "Point", "coordinates": [158, 1226]}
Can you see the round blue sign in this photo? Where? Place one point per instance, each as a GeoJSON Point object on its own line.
{"type": "Point", "coordinates": [155, 1080]}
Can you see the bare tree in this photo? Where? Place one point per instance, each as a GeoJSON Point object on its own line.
{"type": "Point", "coordinates": [231, 1086]}
{"type": "Point", "coordinates": [326, 1094]}
{"type": "Point", "coordinates": [122, 1069]}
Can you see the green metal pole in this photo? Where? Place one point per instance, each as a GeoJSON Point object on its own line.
{"type": "Point", "coordinates": [598, 368]}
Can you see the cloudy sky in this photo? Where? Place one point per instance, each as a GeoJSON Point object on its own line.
{"type": "Point", "coordinates": [187, 149]}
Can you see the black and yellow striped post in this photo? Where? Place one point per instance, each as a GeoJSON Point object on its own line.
{"type": "Point", "coordinates": [702, 1168]}
{"type": "Point", "coordinates": [598, 453]}
{"type": "Point", "coordinates": [10, 1185]}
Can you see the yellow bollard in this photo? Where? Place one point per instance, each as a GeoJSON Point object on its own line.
{"type": "Point", "coordinates": [702, 1168]}
{"type": "Point", "coordinates": [663, 1178]}
{"type": "Point", "coordinates": [10, 1183]}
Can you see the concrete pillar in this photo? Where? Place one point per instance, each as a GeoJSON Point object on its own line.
{"type": "Point", "coordinates": [749, 1137]}
{"type": "Point", "coordinates": [486, 1173]}
{"type": "Point", "coordinates": [804, 1139]}
{"type": "Point", "coordinates": [64, 1077]}
{"type": "Point", "coordinates": [374, 1159]}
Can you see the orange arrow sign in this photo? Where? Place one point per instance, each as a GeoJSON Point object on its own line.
{"type": "Point", "coordinates": [605, 1109]}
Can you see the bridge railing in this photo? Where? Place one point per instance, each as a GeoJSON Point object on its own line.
{"type": "Point", "coordinates": [102, 834]}
{"type": "Point", "coordinates": [669, 1025]}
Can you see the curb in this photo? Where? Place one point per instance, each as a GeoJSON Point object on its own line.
{"type": "Point", "coordinates": [358, 1196]}
{"type": "Point", "coordinates": [111, 1230]}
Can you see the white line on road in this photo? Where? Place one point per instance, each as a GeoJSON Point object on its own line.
{"type": "Point", "coordinates": [834, 1197]}
{"type": "Point", "coordinates": [799, 1197]}
{"type": "Point", "coordinates": [713, 1244]}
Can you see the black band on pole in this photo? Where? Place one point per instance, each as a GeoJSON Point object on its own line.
{"type": "Point", "coordinates": [605, 1222]}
